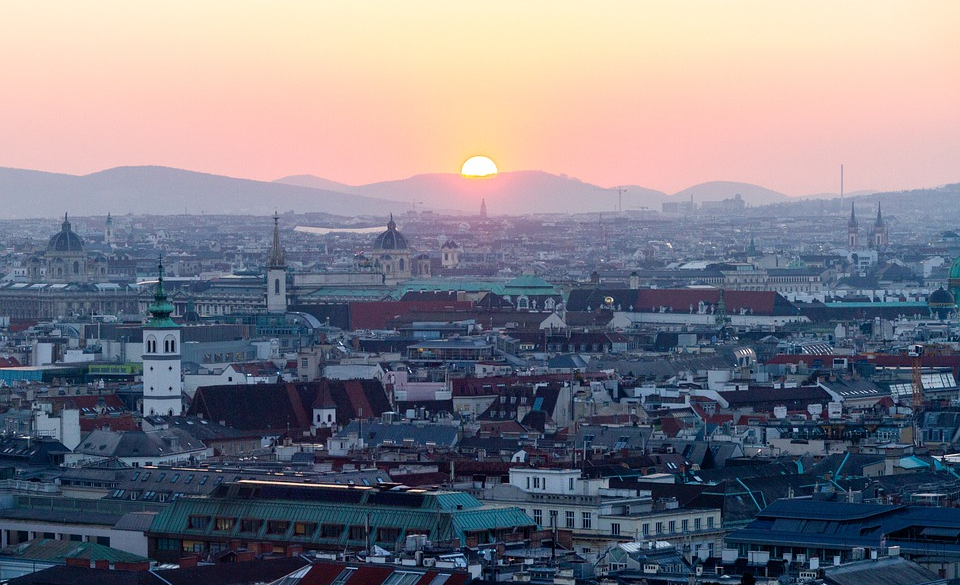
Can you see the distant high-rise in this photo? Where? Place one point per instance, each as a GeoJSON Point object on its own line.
{"type": "Point", "coordinates": [483, 209]}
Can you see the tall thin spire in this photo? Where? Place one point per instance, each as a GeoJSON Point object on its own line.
{"type": "Point", "coordinates": [853, 217]}
{"type": "Point", "coordinates": [276, 259]}
{"type": "Point", "coordinates": [879, 222]}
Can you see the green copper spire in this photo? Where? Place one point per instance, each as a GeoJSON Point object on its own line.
{"type": "Point", "coordinates": [161, 308]}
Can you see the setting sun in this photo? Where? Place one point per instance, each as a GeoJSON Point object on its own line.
{"type": "Point", "coordinates": [479, 167]}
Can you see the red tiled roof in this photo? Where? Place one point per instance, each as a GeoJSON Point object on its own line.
{"type": "Point", "coordinates": [255, 368]}
{"type": "Point", "coordinates": [113, 423]}
{"type": "Point", "coordinates": [84, 401]}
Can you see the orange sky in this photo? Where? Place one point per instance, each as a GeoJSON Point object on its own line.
{"type": "Point", "coordinates": [661, 94]}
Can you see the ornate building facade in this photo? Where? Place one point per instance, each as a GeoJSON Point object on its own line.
{"type": "Point", "coordinates": [66, 260]}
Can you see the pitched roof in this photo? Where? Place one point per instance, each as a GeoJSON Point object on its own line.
{"type": "Point", "coordinates": [103, 443]}
{"type": "Point", "coordinates": [271, 408]}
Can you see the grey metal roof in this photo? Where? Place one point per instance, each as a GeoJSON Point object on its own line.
{"type": "Point", "coordinates": [136, 521]}
{"type": "Point", "coordinates": [420, 434]}
{"type": "Point", "coordinates": [163, 443]}
{"type": "Point", "coordinates": [883, 571]}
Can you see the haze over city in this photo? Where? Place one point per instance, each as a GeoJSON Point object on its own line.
{"type": "Point", "coordinates": [429, 292]}
{"type": "Point", "coordinates": [661, 95]}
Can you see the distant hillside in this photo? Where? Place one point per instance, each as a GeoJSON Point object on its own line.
{"type": "Point", "coordinates": [720, 190]}
{"type": "Point", "coordinates": [510, 193]}
{"type": "Point", "coordinates": [164, 190]}
{"type": "Point", "coordinates": [315, 182]}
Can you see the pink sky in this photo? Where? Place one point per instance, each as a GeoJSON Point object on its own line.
{"type": "Point", "coordinates": [660, 94]}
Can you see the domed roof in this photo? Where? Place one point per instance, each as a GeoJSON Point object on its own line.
{"type": "Point", "coordinates": [391, 239]}
{"type": "Point", "coordinates": [940, 298]}
{"type": "Point", "coordinates": [954, 269]}
{"type": "Point", "coordinates": [65, 240]}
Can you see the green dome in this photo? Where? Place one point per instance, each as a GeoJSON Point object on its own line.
{"type": "Point", "coordinates": [955, 269]}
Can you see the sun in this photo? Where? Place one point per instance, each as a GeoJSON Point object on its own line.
{"type": "Point", "coordinates": [479, 167]}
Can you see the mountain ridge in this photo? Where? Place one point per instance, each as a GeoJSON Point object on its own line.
{"type": "Point", "coordinates": [167, 190]}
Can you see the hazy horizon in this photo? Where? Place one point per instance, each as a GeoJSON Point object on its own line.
{"type": "Point", "coordinates": [659, 95]}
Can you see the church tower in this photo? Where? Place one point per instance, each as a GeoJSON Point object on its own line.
{"type": "Point", "coordinates": [879, 230]}
{"type": "Point", "coordinates": [161, 357]}
{"type": "Point", "coordinates": [483, 209]}
{"type": "Point", "coordinates": [853, 229]}
{"type": "Point", "coordinates": [276, 273]}
{"type": "Point", "coordinates": [108, 231]}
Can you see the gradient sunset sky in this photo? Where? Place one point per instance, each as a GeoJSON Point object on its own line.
{"type": "Point", "coordinates": [660, 94]}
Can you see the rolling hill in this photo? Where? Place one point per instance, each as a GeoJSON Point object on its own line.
{"type": "Point", "coordinates": [163, 190]}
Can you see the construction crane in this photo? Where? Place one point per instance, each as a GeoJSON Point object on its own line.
{"type": "Point", "coordinates": [915, 351]}
{"type": "Point", "coordinates": [620, 189]}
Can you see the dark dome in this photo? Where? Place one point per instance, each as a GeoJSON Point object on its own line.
{"type": "Point", "coordinates": [940, 298]}
{"type": "Point", "coordinates": [65, 240]}
{"type": "Point", "coordinates": [391, 239]}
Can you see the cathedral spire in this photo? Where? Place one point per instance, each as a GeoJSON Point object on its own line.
{"type": "Point", "coordinates": [853, 217]}
{"type": "Point", "coordinates": [276, 259]}
{"type": "Point", "coordinates": [879, 222]}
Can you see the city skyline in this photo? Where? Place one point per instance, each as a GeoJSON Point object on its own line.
{"type": "Point", "coordinates": [662, 96]}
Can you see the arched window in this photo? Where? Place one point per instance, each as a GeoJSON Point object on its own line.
{"type": "Point", "coordinates": [401, 264]}
{"type": "Point", "coordinates": [76, 267]}
{"type": "Point", "coordinates": [151, 344]}
{"type": "Point", "coordinates": [170, 344]}
{"type": "Point", "coordinates": [276, 286]}
{"type": "Point", "coordinates": [523, 303]}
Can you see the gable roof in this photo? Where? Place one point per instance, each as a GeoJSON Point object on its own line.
{"type": "Point", "coordinates": [277, 408]}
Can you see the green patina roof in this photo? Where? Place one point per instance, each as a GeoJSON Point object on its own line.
{"type": "Point", "coordinates": [955, 269]}
{"type": "Point", "coordinates": [528, 282]}
{"type": "Point", "coordinates": [437, 515]}
{"type": "Point", "coordinates": [58, 551]}
{"type": "Point", "coordinates": [342, 292]}
{"type": "Point", "coordinates": [447, 284]}
{"type": "Point", "coordinates": [161, 309]}
{"type": "Point", "coordinates": [523, 285]}
{"type": "Point", "coordinates": [450, 501]}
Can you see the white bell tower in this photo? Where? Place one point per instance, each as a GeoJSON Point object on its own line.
{"type": "Point", "coordinates": [162, 388]}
